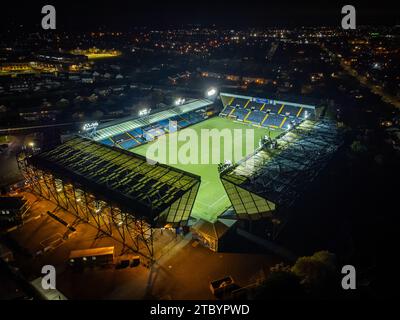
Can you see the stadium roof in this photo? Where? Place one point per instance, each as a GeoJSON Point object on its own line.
{"type": "Point", "coordinates": [296, 104]}
{"type": "Point", "coordinates": [117, 175]}
{"type": "Point", "coordinates": [282, 174]}
{"type": "Point", "coordinates": [281, 98]}
{"type": "Point", "coordinates": [124, 125]}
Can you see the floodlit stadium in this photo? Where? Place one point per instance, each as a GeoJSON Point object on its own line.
{"type": "Point", "coordinates": [117, 169]}
{"type": "Point", "coordinates": [211, 200]}
{"type": "Point", "coordinates": [266, 117]}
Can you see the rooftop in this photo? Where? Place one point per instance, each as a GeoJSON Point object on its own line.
{"type": "Point", "coordinates": [119, 126]}
{"type": "Point", "coordinates": [281, 175]}
{"type": "Point", "coordinates": [117, 175]}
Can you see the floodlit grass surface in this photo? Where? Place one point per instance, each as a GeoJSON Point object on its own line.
{"type": "Point", "coordinates": [211, 200]}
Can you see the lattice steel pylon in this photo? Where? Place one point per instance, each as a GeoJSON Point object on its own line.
{"type": "Point", "coordinates": [134, 233]}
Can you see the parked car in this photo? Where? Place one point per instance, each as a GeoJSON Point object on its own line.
{"type": "Point", "coordinates": [223, 286]}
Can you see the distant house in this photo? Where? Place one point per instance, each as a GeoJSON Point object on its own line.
{"type": "Point", "coordinates": [87, 80]}
{"type": "Point", "coordinates": [62, 102]}
{"type": "Point", "coordinates": [104, 92]}
{"type": "Point", "coordinates": [117, 89]}
{"type": "Point", "coordinates": [74, 77]}
{"type": "Point", "coordinates": [78, 99]}
{"type": "Point", "coordinates": [19, 87]}
{"type": "Point", "coordinates": [116, 112]}
{"type": "Point", "coordinates": [93, 98]}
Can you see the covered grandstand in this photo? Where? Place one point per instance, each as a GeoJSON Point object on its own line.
{"type": "Point", "coordinates": [113, 188]}
{"type": "Point", "coordinates": [131, 132]}
{"type": "Point", "coordinates": [101, 179]}
{"type": "Point", "coordinates": [265, 112]}
{"type": "Point", "coordinates": [279, 175]}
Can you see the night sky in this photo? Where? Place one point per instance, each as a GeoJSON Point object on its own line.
{"type": "Point", "coordinates": [123, 15]}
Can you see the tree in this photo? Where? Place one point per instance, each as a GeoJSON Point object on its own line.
{"type": "Point", "coordinates": [318, 272]}
{"type": "Point", "coordinates": [327, 258]}
{"type": "Point", "coordinates": [280, 284]}
{"type": "Point", "coordinates": [357, 147]}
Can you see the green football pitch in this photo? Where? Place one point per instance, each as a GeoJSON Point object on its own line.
{"type": "Point", "coordinates": [211, 200]}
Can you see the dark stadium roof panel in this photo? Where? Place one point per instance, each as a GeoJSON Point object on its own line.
{"type": "Point", "coordinates": [281, 175]}
{"type": "Point", "coordinates": [119, 176]}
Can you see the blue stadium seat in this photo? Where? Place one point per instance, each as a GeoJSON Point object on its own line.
{"type": "Point", "coordinates": [129, 144]}
{"type": "Point", "coordinates": [254, 105]}
{"type": "Point", "coordinates": [273, 120]}
{"type": "Point", "coordinates": [183, 123]}
{"type": "Point", "coordinates": [107, 142]}
{"type": "Point", "coordinates": [240, 113]}
{"type": "Point", "coordinates": [164, 123]}
{"type": "Point", "coordinates": [192, 117]}
{"type": "Point", "coordinates": [120, 137]}
{"type": "Point", "coordinates": [239, 102]}
{"type": "Point", "coordinates": [226, 110]}
{"type": "Point", "coordinates": [140, 140]}
{"type": "Point", "coordinates": [136, 132]}
{"type": "Point", "coordinates": [290, 110]}
{"type": "Point", "coordinates": [272, 108]}
{"type": "Point", "coordinates": [256, 117]}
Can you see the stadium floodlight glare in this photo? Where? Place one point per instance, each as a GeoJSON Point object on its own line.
{"type": "Point", "coordinates": [144, 112]}
{"type": "Point", "coordinates": [211, 92]}
{"type": "Point", "coordinates": [179, 101]}
{"type": "Point", "coordinates": [90, 126]}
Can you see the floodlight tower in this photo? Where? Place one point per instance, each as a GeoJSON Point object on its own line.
{"type": "Point", "coordinates": [211, 93]}
{"type": "Point", "coordinates": [179, 101]}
